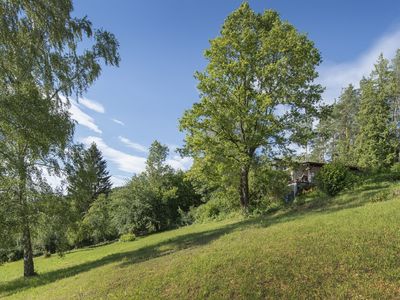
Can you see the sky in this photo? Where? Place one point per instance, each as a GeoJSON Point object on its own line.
{"type": "Point", "coordinates": [162, 44]}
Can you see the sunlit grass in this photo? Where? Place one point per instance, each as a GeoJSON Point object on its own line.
{"type": "Point", "coordinates": [346, 247]}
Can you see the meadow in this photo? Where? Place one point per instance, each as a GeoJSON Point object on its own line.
{"type": "Point", "coordinates": [342, 247]}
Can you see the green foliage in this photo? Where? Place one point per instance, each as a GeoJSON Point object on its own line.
{"type": "Point", "coordinates": [256, 66]}
{"type": "Point", "coordinates": [42, 65]}
{"type": "Point", "coordinates": [377, 142]}
{"type": "Point", "coordinates": [127, 237]}
{"type": "Point", "coordinates": [299, 201]}
{"type": "Point", "coordinates": [88, 178]}
{"type": "Point", "coordinates": [97, 221]}
{"type": "Point", "coordinates": [381, 196]}
{"type": "Point", "coordinates": [268, 186]}
{"type": "Point", "coordinates": [88, 187]}
{"type": "Point", "coordinates": [304, 253]}
{"type": "Point", "coordinates": [152, 200]}
{"type": "Point", "coordinates": [338, 130]}
{"type": "Point", "coordinates": [362, 127]}
{"type": "Point", "coordinates": [51, 229]}
{"type": "Point", "coordinates": [220, 206]}
{"type": "Point", "coordinates": [395, 171]}
{"type": "Point", "coordinates": [333, 178]}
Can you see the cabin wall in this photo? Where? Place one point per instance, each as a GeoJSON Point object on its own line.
{"type": "Point", "coordinates": [309, 171]}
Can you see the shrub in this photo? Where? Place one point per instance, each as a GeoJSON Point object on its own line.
{"type": "Point", "coordinates": [395, 171]}
{"type": "Point", "coordinates": [221, 205]}
{"type": "Point", "coordinates": [185, 217]}
{"type": "Point", "coordinates": [127, 237]}
{"type": "Point", "coordinates": [15, 254]}
{"type": "Point", "coordinates": [380, 196]}
{"type": "Point", "coordinates": [299, 201]}
{"type": "Point", "coordinates": [333, 178]}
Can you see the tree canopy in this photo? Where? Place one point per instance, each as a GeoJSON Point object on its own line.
{"type": "Point", "coordinates": [257, 95]}
{"type": "Point", "coordinates": [41, 66]}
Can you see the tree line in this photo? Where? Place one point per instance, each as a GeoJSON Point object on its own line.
{"type": "Point", "coordinates": [362, 128]}
{"type": "Point", "coordinates": [258, 101]}
{"type": "Point", "coordinates": [257, 97]}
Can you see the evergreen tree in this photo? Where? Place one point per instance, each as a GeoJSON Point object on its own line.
{"type": "Point", "coordinates": [376, 142]}
{"type": "Point", "coordinates": [345, 125]}
{"type": "Point", "coordinates": [88, 178]}
{"type": "Point", "coordinates": [395, 105]}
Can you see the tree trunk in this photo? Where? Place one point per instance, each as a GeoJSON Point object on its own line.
{"type": "Point", "coordinates": [244, 188]}
{"type": "Point", "coordinates": [29, 268]}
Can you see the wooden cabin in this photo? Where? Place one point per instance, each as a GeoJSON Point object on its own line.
{"type": "Point", "coordinates": [303, 177]}
{"type": "Point", "coordinates": [305, 172]}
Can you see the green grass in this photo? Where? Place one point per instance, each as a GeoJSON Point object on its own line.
{"type": "Point", "coordinates": [346, 247]}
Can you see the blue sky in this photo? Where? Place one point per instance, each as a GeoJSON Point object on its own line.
{"type": "Point", "coordinates": [162, 44]}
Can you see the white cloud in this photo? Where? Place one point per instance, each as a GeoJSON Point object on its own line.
{"type": "Point", "coordinates": [93, 105]}
{"type": "Point", "coordinates": [172, 147]}
{"type": "Point", "coordinates": [180, 163]}
{"type": "Point", "coordinates": [335, 76]}
{"type": "Point", "coordinates": [118, 122]}
{"type": "Point", "coordinates": [133, 145]}
{"type": "Point", "coordinates": [125, 162]}
{"type": "Point", "coordinates": [83, 118]}
{"type": "Point", "coordinates": [119, 180]}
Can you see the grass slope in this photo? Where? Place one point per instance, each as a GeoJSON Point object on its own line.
{"type": "Point", "coordinates": [347, 247]}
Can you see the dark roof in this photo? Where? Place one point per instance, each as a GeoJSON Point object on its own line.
{"type": "Point", "coordinates": [320, 164]}
{"type": "Point", "coordinates": [312, 163]}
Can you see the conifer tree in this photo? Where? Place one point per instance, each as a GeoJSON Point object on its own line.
{"type": "Point", "coordinates": [346, 127]}
{"type": "Point", "coordinates": [88, 178]}
{"type": "Point", "coordinates": [376, 141]}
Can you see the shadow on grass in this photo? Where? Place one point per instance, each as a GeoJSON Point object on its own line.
{"type": "Point", "coordinates": [356, 198]}
{"type": "Point", "coordinates": [162, 248]}
{"type": "Point", "coordinates": [323, 204]}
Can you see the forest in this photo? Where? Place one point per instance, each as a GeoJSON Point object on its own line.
{"type": "Point", "coordinates": [260, 112]}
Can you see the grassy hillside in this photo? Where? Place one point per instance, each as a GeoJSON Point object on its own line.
{"type": "Point", "coordinates": [346, 247]}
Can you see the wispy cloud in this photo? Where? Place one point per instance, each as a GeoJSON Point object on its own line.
{"type": "Point", "coordinates": [118, 122]}
{"type": "Point", "coordinates": [180, 163]}
{"type": "Point", "coordinates": [118, 180]}
{"type": "Point", "coordinates": [125, 162]}
{"type": "Point", "coordinates": [133, 145]}
{"type": "Point", "coordinates": [93, 105]}
{"type": "Point", "coordinates": [83, 118]}
{"type": "Point", "coordinates": [335, 76]}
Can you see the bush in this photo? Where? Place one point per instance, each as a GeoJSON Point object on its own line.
{"type": "Point", "coordinates": [127, 237]}
{"type": "Point", "coordinates": [221, 205]}
{"type": "Point", "coordinates": [299, 201]}
{"type": "Point", "coordinates": [185, 217]}
{"type": "Point", "coordinates": [15, 254]}
{"type": "Point", "coordinates": [395, 171]}
{"type": "Point", "coordinates": [381, 196]}
{"type": "Point", "coordinates": [333, 178]}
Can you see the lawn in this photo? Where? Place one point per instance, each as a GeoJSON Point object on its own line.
{"type": "Point", "coordinates": [345, 247]}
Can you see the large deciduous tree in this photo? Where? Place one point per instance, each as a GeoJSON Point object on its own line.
{"type": "Point", "coordinates": [257, 93]}
{"type": "Point", "coordinates": [41, 65]}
